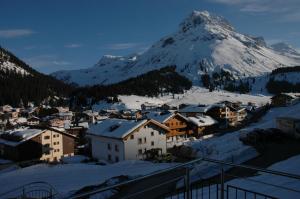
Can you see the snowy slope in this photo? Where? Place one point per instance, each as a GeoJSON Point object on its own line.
{"type": "Point", "coordinates": [7, 64]}
{"type": "Point", "coordinates": [196, 95]}
{"type": "Point", "coordinates": [203, 43]}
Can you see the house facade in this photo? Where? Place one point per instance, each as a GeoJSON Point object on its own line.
{"type": "Point", "coordinates": [28, 144]}
{"type": "Point", "coordinates": [289, 125]}
{"type": "Point", "coordinates": [285, 99]}
{"type": "Point", "coordinates": [117, 140]}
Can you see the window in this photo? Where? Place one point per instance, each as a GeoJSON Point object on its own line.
{"type": "Point", "coordinates": [109, 157]}
{"type": "Point", "coordinates": [145, 140]}
{"type": "Point", "coordinates": [167, 124]}
{"type": "Point", "coordinates": [117, 159]}
{"type": "Point", "coordinates": [152, 143]}
{"type": "Point", "coordinates": [131, 137]}
{"type": "Point", "coordinates": [47, 137]}
{"type": "Point", "coordinates": [47, 149]}
{"type": "Point", "coordinates": [140, 151]}
{"type": "Point", "coordinates": [152, 133]}
{"type": "Point", "coordinates": [55, 143]}
{"type": "Point", "coordinates": [116, 148]}
{"type": "Point", "coordinates": [140, 141]}
{"type": "Point", "coordinates": [108, 146]}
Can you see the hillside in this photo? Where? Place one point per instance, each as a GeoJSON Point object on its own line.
{"type": "Point", "coordinates": [18, 81]}
{"type": "Point", "coordinates": [152, 84]}
{"type": "Point", "coordinates": [204, 43]}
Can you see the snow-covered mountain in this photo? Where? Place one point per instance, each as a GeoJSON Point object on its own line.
{"type": "Point", "coordinates": [285, 49]}
{"type": "Point", "coordinates": [204, 43]}
{"type": "Point", "coordinates": [9, 63]}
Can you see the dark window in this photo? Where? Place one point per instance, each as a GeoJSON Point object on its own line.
{"type": "Point", "coordinates": [152, 133]}
{"type": "Point", "coordinates": [117, 159]}
{"type": "Point", "coordinates": [152, 143]}
{"type": "Point", "coordinates": [47, 149]}
{"type": "Point", "coordinates": [145, 140]}
{"type": "Point", "coordinates": [108, 146]}
{"type": "Point", "coordinates": [140, 151]}
{"type": "Point", "coordinates": [132, 137]}
{"type": "Point", "coordinates": [109, 157]}
{"type": "Point", "coordinates": [140, 141]}
{"type": "Point", "coordinates": [47, 137]}
{"type": "Point", "coordinates": [116, 148]}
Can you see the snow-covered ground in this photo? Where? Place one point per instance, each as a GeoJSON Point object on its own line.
{"type": "Point", "coordinates": [229, 148]}
{"type": "Point", "coordinates": [196, 95]}
{"type": "Point", "coordinates": [66, 178]}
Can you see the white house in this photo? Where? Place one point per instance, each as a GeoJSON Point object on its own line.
{"type": "Point", "coordinates": [115, 140]}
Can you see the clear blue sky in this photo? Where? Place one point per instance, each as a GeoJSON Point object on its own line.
{"type": "Point", "coordinates": [71, 34]}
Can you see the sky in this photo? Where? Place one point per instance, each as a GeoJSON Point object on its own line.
{"type": "Point", "coordinates": [72, 34]}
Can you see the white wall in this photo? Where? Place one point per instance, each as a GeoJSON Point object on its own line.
{"type": "Point", "coordinates": [101, 151]}
{"type": "Point", "coordinates": [132, 146]}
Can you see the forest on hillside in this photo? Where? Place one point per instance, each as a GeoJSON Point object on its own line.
{"type": "Point", "coordinates": [153, 83]}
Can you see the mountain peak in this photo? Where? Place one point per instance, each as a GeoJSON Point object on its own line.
{"type": "Point", "coordinates": [204, 18]}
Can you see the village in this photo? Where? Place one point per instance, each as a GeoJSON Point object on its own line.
{"type": "Point", "coordinates": [155, 132]}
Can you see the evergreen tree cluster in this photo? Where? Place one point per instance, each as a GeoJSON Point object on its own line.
{"type": "Point", "coordinates": [286, 70]}
{"type": "Point", "coordinates": [35, 87]}
{"type": "Point", "coordinates": [153, 83]}
{"type": "Point", "coordinates": [283, 86]}
{"type": "Point", "coordinates": [225, 80]}
{"type": "Point", "coordinates": [276, 87]}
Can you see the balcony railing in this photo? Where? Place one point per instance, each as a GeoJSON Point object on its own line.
{"type": "Point", "coordinates": [180, 182]}
{"type": "Point", "coordinates": [183, 182]}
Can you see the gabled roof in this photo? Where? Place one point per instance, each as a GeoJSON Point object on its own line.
{"type": "Point", "coordinates": [162, 117]}
{"type": "Point", "coordinates": [118, 128]}
{"type": "Point", "coordinates": [194, 109]}
{"type": "Point", "coordinates": [18, 136]}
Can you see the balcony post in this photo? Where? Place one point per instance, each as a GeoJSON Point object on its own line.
{"type": "Point", "coordinates": [187, 183]}
{"type": "Point", "coordinates": [222, 183]}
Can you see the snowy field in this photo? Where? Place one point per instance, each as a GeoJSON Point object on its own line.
{"type": "Point", "coordinates": [66, 178]}
{"type": "Point", "coordinates": [196, 95]}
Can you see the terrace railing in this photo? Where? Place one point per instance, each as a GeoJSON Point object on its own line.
{"type": "Point", "coordinates": [180, 182]}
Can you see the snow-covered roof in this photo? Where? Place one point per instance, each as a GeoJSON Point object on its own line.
{"type": "Point", "coordinates": [194, 109]}
{"type": "Point", "coordinates": [115, 128]}
{"type": "Point", "coordinates": [21, 120]}
{"type": "Point", "coordinates": [62, 114]}
{"type": "Point", "coordinates": [292, 95]}
{"type": "Point", "coordinates": [160, 116]}
{"type": "Point", "coordinates": [20, 136]}
{"type": "Point", "coordinates": [202, 120]}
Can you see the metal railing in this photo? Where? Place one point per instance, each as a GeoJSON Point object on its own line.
{"type": "Point", "coordinates": [34, 190]}
{"type": "Point", "coordinates": [174, 182]}
{"type": "Point", "coordinates": [182, 186]}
